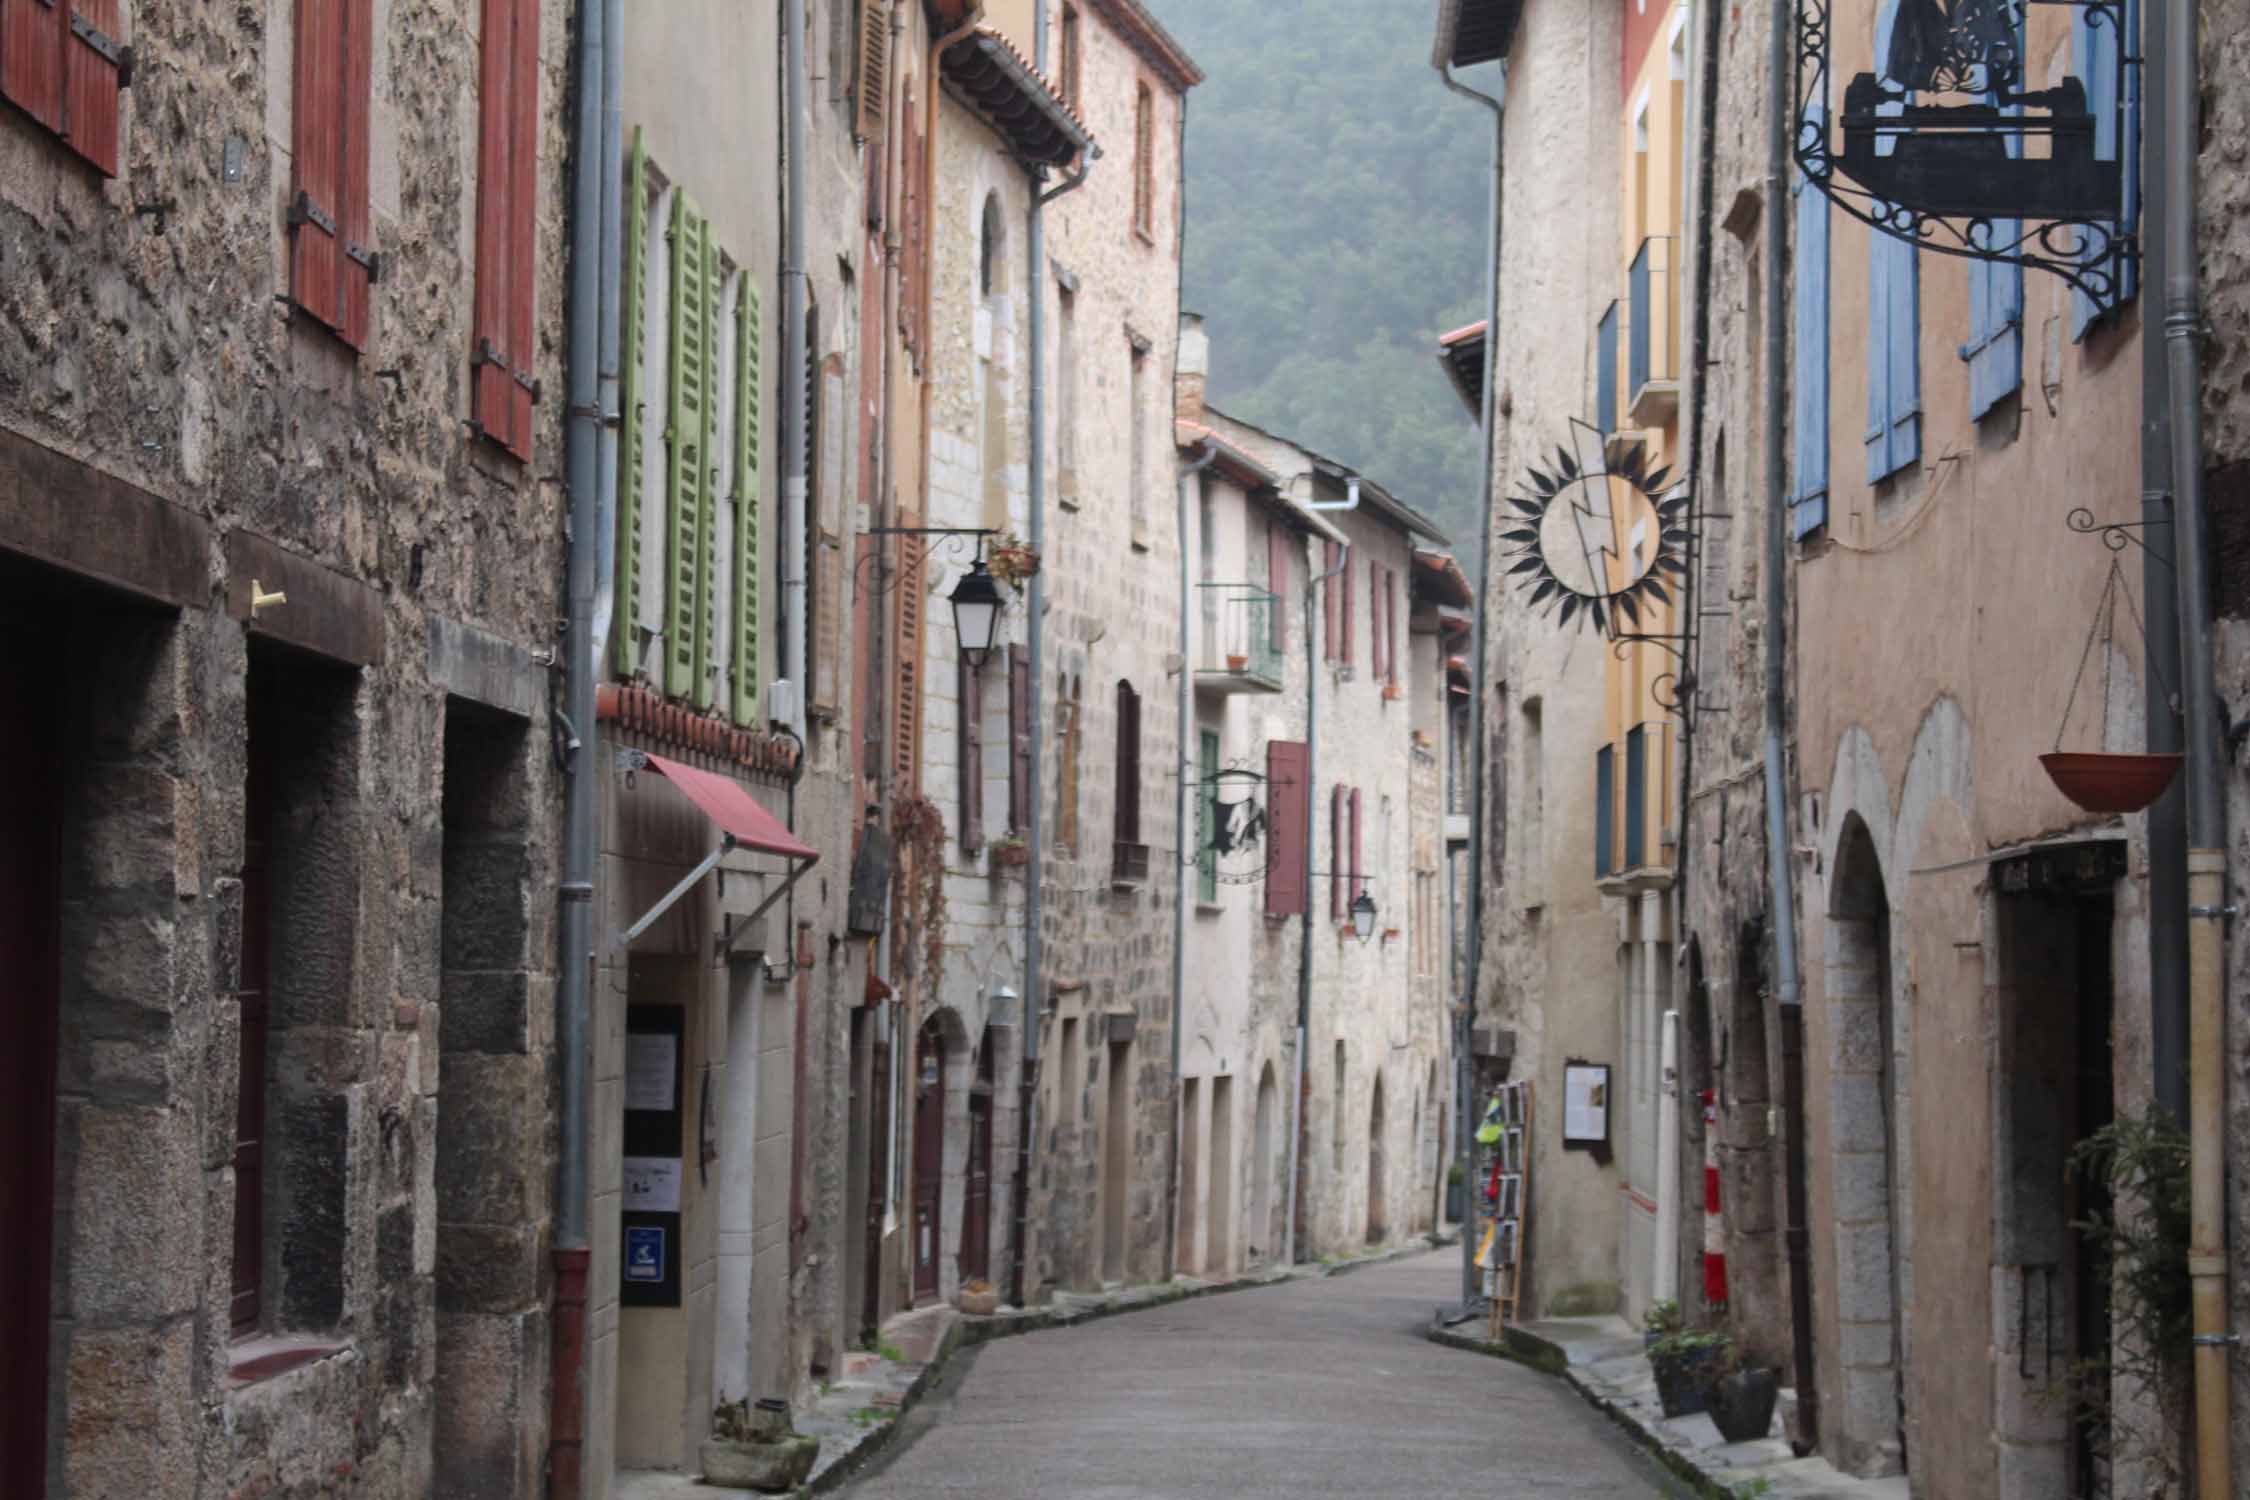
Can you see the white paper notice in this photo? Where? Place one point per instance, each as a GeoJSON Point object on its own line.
{"type": "Point", "coordinates": [1585, 1104]}
{"type": "Point", "coordinates": [651, 1060]}
{"type": "Point", "coordinates": [652, 1184]}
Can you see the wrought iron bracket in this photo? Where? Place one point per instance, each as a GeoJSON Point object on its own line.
{"type": "Point", "coordinates": [2115, 535]}
{"type": "Point", "coordinates": [930, 540]}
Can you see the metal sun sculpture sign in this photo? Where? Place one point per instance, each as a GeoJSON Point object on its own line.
{"type": "Point", "coordinates": [1593, 539]}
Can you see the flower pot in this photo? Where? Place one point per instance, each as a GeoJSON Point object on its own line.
{"type": "Point", "coordinates": [1684, 1381]}
{"type": "Point", "coordinates": [1238, 663]}
{"type": "Point", "coordinates": [1741, 1405]}
{"type": "Point", "coordinates": [979, 1304]}
{"type": "Point", "coordinates": [2107, 783]}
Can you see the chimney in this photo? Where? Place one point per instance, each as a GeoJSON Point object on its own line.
{"type": "Point", "coordinates": [1192, 368]}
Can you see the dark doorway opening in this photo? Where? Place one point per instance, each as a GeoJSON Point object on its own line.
{"type": "Point", "coordinates": [976, 1186]}
{"type": "Point", "coordinates": [929, 1156]}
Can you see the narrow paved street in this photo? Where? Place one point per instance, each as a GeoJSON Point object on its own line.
{"type": "Point", "coordinates": [1314, 1388]}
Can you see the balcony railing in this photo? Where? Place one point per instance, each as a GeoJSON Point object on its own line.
{"type": "Point", "coordinates": [1241, 639]}
{"type": "Point", "coordinates": [1633, 805]}
{"type": "Point", "coordinates": [1653, 333]}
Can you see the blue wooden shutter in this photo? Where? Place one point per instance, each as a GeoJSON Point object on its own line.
{"type": "Point", "coordinates": [1808, 488]}
{"type": "Point", "coordinates": [1995, 346]}
{"type": "Point", "coordinates": [1605, 371]}
{"type": "Point", "coordinates": [1894, 360]}
{"type": "Point", "coordinates": [2097, 60]}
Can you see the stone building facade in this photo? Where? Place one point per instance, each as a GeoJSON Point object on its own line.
{"type": "Point", "coordinates": [282, 822]}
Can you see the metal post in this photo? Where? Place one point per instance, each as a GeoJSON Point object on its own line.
{"type": "Point", "coordinates": [1193, 470]}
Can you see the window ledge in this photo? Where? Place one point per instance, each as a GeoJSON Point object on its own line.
{"type": "Point", "coordinates": [254, 1360]}
{"type": "Point", "coordinates": [1210, 908]}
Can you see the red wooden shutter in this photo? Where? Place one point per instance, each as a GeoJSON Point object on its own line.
{"type": "Point", "coordinates": [1356, 866]}
{"type": "Point", "coordinates": [971, 743]}
{"type": "Point", "coordinates": [62, 63]}
{"type": "Point", "coordinates": [1019, 739]}
{"type": "Point", "coordinates": [1376, 640]}
{"type": "Point", "coordinates": [1277, 580]}
{"type": "Point", "coordinates": [1335, 852]}
{"type": "Point", "coordinates": [1287, 799]}
{"type": "Point", "coordinates": [332, 254]}
{"type": "Point", "coordinates": [507, 223]}
{"type": "Point", "coordinates": [1344, 628]}
{"type": "Point", "coordinates": [1328, 603]}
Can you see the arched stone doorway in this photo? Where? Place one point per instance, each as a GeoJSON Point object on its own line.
{"type": "Point", "coordinates": [1869, 1191]}
{"type": "Point", "coordinates": [1263, 1145]}
{"type": "Point", "coordinates": [1378, 1225]}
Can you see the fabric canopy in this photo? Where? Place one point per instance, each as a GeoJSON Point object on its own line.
{"type": "Point", "coordinates": [730, 805]}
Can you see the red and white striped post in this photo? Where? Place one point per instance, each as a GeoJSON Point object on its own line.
{"type": "Point", "coordinates": [1714, 1228]}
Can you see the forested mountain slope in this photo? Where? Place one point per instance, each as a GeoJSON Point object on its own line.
{"type": "Point", "coordinates": [1336, 208]}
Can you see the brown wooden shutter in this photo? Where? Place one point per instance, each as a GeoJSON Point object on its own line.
{"type": "Point", "coordinates": [332, 258]}
{"type": "Point", "coordinates": [1356, 867]}
{"type": "Point", "coordinates": [63, 63]}
{"type": "Point", "coordinates": [1127, 823]}
{"type": "Point", "coordinates": [970, 741]}
{"type": "Point", "coordinates": [874, 67]}
{"type": "Point", "coordinates": [507, 224]}
{"type": "Point", "coordinates": [1376, 640]}
{"type": "Point", "coordinates": [1344, 609]}
{"type": "Point", "coordinates": [906, 670]}
{"type": "Point", "coordinates": [1287, 797]}
{"type": "Point", "coordinates": [1328, 603]}
{"type": "Point", "coordinates": [1336, 852]}
{"type": "Point", "coordinates": [911, 147]}
{"type": "Point", "coordinates": [1019, 740]}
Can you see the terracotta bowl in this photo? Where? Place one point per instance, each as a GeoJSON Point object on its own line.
{"type": "Point", "coordinates": [2111, 783]}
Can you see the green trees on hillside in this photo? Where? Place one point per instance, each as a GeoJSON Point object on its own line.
{"type": "Point", "coordinates": [1336, 203]}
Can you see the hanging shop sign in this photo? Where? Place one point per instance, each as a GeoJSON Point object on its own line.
{"type": "Point", "coordinates": [1945, 143]}
{"type": "Point", "coordinates": [1595, 534]}
{"type": "Point", "coordinates": [1231, 845]}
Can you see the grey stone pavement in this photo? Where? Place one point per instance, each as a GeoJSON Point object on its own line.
{"type": "Point", "coordinates": [1306, 1388]}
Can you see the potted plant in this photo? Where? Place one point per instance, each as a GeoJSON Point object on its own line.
{"type": "Point", "coordinates": [1742, 1401]}
{"type": "Point", "coordinates": [978, 1298]}
{"type": "Point", "coordinates": [1661, 1319]}
{"type": "Point", "coordinates": [1011, 560]}
{"type": "Point", "coordinates": [1686, 1365]}
{"type": "Point", "coordinates": [1010, 853]}
{"type": "Point", "coordinates": [1237, 662]}
{"type": "Point", "coordinates": [1453, 1204]}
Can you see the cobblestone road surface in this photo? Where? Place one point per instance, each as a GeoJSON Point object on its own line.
{"type": "Point", "coordinates": [1306, 1390]}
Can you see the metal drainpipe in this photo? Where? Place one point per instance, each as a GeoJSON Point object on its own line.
{"type": "Point", "coordinates": [2206, 816]}
{"type": "Point", "coordinates": [794, 291]}
{"type": "Point", "coordinates": [591, 315]}
{"type": "Point", "coordinates": [1464, 1065]}
{"type": "Point", "coordinates": [1305, 948]}
{"type": "Point", "coordinates": [1776, 590]}
{"type": "Point", "coordinates": [1193, 469]}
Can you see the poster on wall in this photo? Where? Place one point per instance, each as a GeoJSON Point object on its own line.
{"type": "Point", "coordinates": [1585, 1104]}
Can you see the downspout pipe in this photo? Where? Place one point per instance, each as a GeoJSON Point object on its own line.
{"type": "Point", "coordinates": [2206, 807]}
{"type": "Point", "coordinates": [1191, 474]}
{"type": "Point", "coordinates": [594, 231]}
{"type": "Point", "coordinates": [1465, 1011]}
{"type": "Point", "coordinates": [1313, 587]}
{"type": "Point", "coordinates": [795, 292]}
{"type": "Point", "coordinates": [1775, 588]}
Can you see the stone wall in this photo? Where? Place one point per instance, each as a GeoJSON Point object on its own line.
{"type": "Point", "coordinates": [148, 360]}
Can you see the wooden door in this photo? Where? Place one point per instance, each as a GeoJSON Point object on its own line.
{"type": "Point", "coordinates": [30, 987]}
{"type": "Point", "coordinates": [246, 1308]}
{"type": "Point", "coordinates": [929, 1158]}
{"type": "Point", "coordinates": [878, 1181]}
{"type": "Point", "coordinates": [976, 1190]}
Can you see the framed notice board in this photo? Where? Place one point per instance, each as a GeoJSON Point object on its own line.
{"type": "Point", "coordinates": [649, 1249]}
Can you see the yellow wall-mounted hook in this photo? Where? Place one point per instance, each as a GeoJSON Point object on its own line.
{"type": "Point", "coordinates": [260, 599]}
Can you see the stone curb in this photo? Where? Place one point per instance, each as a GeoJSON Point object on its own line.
{"type": "Point", "coordinates": [967, 1333]}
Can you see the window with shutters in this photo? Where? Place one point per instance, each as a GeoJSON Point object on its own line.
{"type": "Point", "coordinates": [1994, 348]}
{"type": "Point", "coordinates": [1126, 826]}
{"type": "Point", "coordinates": [873, 66]}
{"type": "Point", "coordinates": [331, 230]}
{"type": "Point", "coordinates": [1808, 385]}
{"type": "Point", "coordinates": [746, 678]}
{"type": "Point", "coordinates": [1894, 312]}
{"type": "Point", "coordinates": [1206, 846]}
{"type": "Point", "coordinates": [1351, 813]}
{"type": "Point", "coordinates": [1070, 719]}
{"type": "Point", "coordinates": [1144, 162]}
{"type": "Point", "coordinates": [2097, 59]}
{"type": "Point", "coordinates": [1344, 611]}
{"type": "Point", "coordinates": [1288, 801]}
{"type": "Point", "coordinates": [64, 62]}
{"type": "Point", "coordinates": [633, 447]}
{"type": "Point", "coordinates": [970, 745]}
{"type": "Point", "coordinates": [501, 357]}
{"type": "Point", "coordinates": [1020, 741]}
{"type": "Point", "coordinates": [1336, 852]}
{"type": "Point", "coordinates": [1331, 556]}
{"type": "Point", "coordinates": [1070, 45]}
{"type": "Point", "coordinates": [1137, 470]}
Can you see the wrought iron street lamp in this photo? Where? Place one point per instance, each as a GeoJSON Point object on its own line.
{"type": "Point", "coordinates": [976, 613]}
{"type": "Point", "coordinates": [1363, 917]}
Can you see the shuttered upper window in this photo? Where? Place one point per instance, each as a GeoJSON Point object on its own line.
{"type": "Point", "coordinates": [1144, 161]}
{"type": "Point", "coordinates": [1019, 740]}
{"type": "Point", "coordinates": [507, 220]}
{"type": "Point", "coordinates": [971, 748]}
{"type": "Point", "coordinates": [2098, 47]}
{"type": "Point", "coordinates": [1287, 870]}
{"type": "Point", "coordinates": [63, 62]}
{"type": "Point", "coordinates": [1126, 824]}
{"type": "Point", "coordinates": [332, 250]}
{"type": "Point", "coordinates": [1808, 386]}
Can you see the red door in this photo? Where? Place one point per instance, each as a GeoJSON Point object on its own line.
{"type": "Point", "coordinates": [30, 985]}
{"type": "Point", "coordinates": [929, 1157]}
{"type": "Point", "coordinates": [976, 1192]}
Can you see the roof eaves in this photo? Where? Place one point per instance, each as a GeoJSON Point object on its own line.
{"type": "Point", "coordinates": [1462, 352]}
{"type": "Point", "coordinates": [1001, 87]}
{"type": "Point", "coordinates": [1157, 47]}
{"type": "Point", "coordinates": [1474, 31]}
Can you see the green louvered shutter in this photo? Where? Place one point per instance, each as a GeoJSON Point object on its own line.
{"type": "Point", "coordinates": [707, 503]}
{"type": "Point", "coordinates": [625, 622]}
{"type": "Point", "coordinates": [687, 437]}
{"type": "Point", "coordinates": [749, 369]}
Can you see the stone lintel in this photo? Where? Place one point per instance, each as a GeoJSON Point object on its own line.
{"type": "Point", "coordinates": [327, 613]}
{"type": "Point", "coordinates": [60, 511]}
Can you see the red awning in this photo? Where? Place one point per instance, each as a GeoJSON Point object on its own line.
{"type": "Point", "coordinates": [729, 804]}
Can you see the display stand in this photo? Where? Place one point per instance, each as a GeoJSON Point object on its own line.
{"type": "Point", "coordinates": [1507, 1215]}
